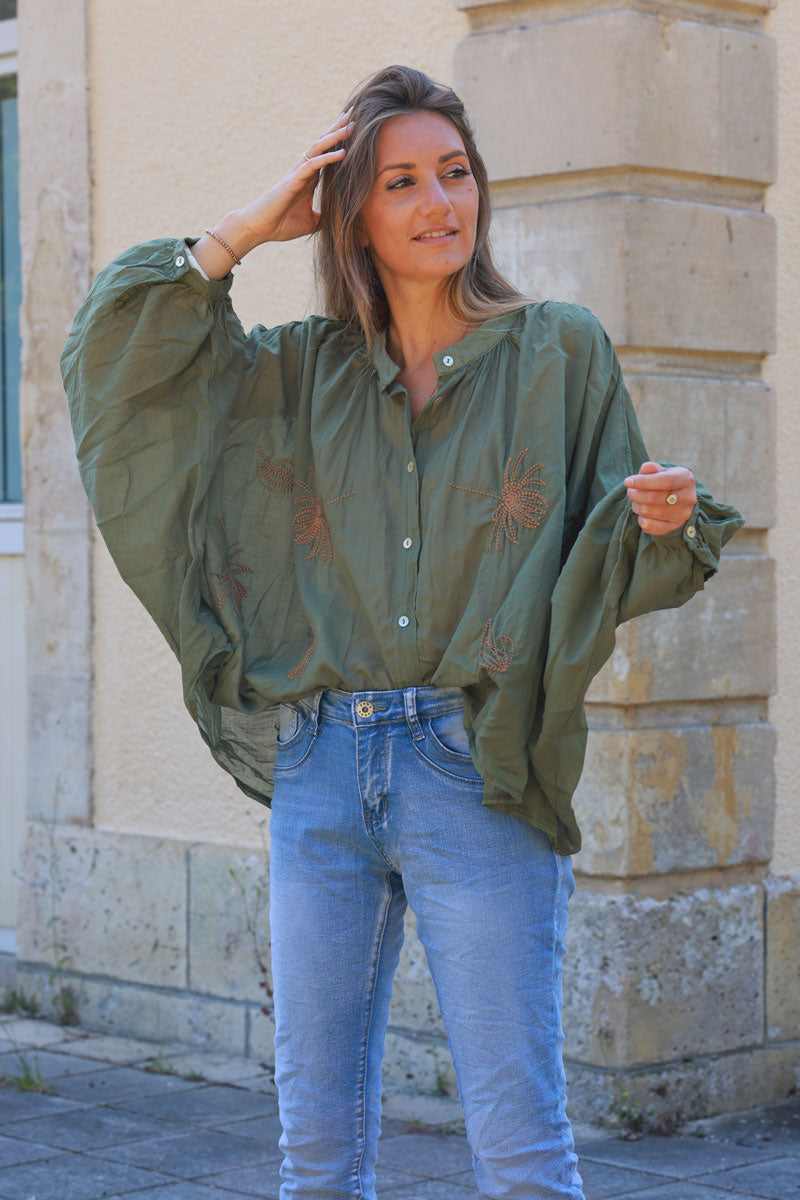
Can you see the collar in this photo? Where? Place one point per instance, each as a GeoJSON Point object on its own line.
{"type": "Point", "coordinates": [452, 358]}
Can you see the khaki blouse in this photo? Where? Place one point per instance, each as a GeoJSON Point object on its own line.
{"type": "Point", "coordinates": [289, 527]}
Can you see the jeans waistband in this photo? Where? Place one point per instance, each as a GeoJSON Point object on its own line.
{"type": "Point", "coordinates": [410, 704]}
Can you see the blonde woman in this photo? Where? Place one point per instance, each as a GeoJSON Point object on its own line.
{"type": "Point", "coordinates": [389, 546]}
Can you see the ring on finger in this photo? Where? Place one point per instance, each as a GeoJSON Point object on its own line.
{"type": "Point", "coordinates": [672, 498]}
{"type": "Point", "coordinates": [305, 156]}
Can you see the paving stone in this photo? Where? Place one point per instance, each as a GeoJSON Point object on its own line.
{"type": "Point", "coordinates": [50, 1064]}
{"type": "Point", "coordinates": [393, 1177]}
{"type": "Point", "coordinates": [678, 1157]}
{"type": "Point", "coordinates": [437, 1153]}
{"type": "Point", "coordinates": [775, 1128]}
{"type": "Point", "coordinates": [190, 1155]}
{"type": "Point", "coordinates": [186, 1190]}
{"type": "Point", "coordinates": [265, 1181]}
{"type": "Point", "coordinates": [604, 1179]}
{"type": "Point", "coordinates": [73, 1177]}
{"type": "Point", "coordinates": [112, 1049]}
{"type": "Point", "coordinates": [432, 1110]}
{"type": "Point", "coordinates": [13, 1151]}
{"type": "Point", "coordinates": [25, 1031]}
{"type": "Point", "coordinates": [681, 1191]}
{"type": "Point", "coordinates": [780, 1180]}
{"type": "Point", "coordinates": [217, 1068]}
{"type": "Point", "coordinates": [85, 1129]}
{"type": "Point", "coordinates": [435, 1189]}
{"type": "Point", "coordinates": [259, 1083]}
{"type": "Point", "coordinates": [208, 1104]}
{"type": "Point", "coordinates": [18, 1106]}
{"type": "Point", "coordinates": [120, 1083]}
{"type": "Point", "coordinates": [261, 1129]}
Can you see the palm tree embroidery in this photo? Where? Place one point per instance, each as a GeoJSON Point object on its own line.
{"type": "Point", "coordinates": [308, 654]}
{"type": "Point", "coordinates": [275, 474]}
{"type": "Point", "coordinates": [519, 502]}
{"type": "Point", "coordinates": [310, 523]}
{"type": "Point", "coordinates": [495, 652]}
{"type": "Point", "coordinates": [229, 584]}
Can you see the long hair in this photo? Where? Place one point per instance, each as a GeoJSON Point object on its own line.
{"type": "Point", "coordinates": [349, 284]}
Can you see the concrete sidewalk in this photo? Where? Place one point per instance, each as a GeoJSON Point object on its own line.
{"type": "Point", "coordinates": [134, 1119]}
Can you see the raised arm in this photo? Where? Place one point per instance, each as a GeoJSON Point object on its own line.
{"type": "Point", "coordinates": [285, 212]}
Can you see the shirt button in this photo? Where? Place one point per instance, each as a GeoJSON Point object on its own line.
{"type": "Point", "coordinates": [180, 260]}
{"type": "Point", "coordinates": [410, 467]}
{"type": "Point", "coordinates": [448, 360]}
{"type": "Point", "coordinates": [407, 543]}
{"type": "Point", "coordinates": [690, 531]}
{"type": "Point", "coordinates": [402, 622]}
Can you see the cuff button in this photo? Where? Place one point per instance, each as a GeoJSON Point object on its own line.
{"type": "Point", "coordinates": [180, 260]}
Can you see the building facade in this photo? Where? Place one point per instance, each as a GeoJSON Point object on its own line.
{"type": "Point", "coordinates": [642, 165]}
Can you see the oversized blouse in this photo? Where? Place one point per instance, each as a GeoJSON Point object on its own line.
{"type": "Point", "coordinates": [290, 528]}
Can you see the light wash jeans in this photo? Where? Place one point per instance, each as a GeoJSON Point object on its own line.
{"type": "Point", "coordinates": [377, 804]}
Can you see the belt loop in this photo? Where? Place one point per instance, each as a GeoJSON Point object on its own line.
{"type": "Point", "coordinates": [410, 702]}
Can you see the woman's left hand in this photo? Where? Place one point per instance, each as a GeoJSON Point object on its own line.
{"type": "Point", "coordinates": [648, 492]}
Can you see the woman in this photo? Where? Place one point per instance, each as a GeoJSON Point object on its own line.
{"type": "Point", "coordinates": [408, 528]}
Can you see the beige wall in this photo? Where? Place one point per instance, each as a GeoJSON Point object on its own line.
{"type": "Point", "coordinates": [202, 119]}
{"type": "Point", "coordinates": [216, 102]}
{"type": "Point", "coordinates": [783, 370]}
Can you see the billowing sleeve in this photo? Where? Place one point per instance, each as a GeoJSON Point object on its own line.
{"type": "Point", "coordinates": [158, 372]}
{"type": "Point", "coordinates": [613, 569]}
{"type": "Point", "coordinates": [661, 570]}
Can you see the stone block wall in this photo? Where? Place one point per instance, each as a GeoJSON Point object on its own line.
{"type": "Point", "coordinates": [630, 151]}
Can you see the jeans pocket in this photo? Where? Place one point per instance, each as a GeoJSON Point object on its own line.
{"type": "Point", "coordinates": [296, 734]}
{"type": "Point", "coordinates": [449, 735]}
{"type": "Point", "coordinates": [445, 746]}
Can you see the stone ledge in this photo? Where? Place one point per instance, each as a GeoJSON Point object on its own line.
{"type": "Point", "coordinates": [664, 274]}
{"type": "Point", "coordinates": [783, 956]}
{"type": "Point", "coordinates": [736, 464]}
{"type": "Point", "coordinates": [649, 981]}
{"type": "Point", "coordinates": [118, 899]}
{"type": "Point", "coordinates": [720, 644]}
{"type": "Point", "coordinates": [703, 1087]}
{"type": "Point", "coordinates": [657, 801]}
{"type": "Point", "coordinates": [127, 1010]}
{"type": "Point", "coordinates": [684, 96]}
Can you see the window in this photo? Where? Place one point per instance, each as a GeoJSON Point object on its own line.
{"type": "Point", "coordinates": [10, 295]}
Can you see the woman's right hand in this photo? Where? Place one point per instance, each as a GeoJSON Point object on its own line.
{"type": "Point", "coordinates": [284, 212]}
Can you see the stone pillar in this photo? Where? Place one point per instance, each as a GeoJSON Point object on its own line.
{"type": "Point", "coordinates": [54, 234]}
{"type": "Point", "coordinates": [629, 152]}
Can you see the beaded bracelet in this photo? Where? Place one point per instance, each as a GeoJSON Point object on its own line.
{"type": "Point", "coordinates": [238, 261]}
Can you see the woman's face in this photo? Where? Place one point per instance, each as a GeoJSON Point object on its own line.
{"type": "Point", "coordinates": [420, 218]}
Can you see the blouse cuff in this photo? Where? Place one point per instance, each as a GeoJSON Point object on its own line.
{"type": "Point", "coordinates": [193, 260]}
{"type": "Point", "coordinates": [186, 268]}
{"type": "Point", "coordinates": [709, 526]}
